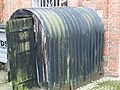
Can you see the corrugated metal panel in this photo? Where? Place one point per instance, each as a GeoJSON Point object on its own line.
{"type": "Point", "coordinates": [68, 45]}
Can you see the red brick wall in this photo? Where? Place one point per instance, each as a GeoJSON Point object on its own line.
{"type": "Point", "coordinates": [11, 5]}
{"type": "Point", "coordinates": [73, 3]}
{"type": "Point", "coordinates": [114, 37]}
{"type": "Point", "coordinates": [1, 7]}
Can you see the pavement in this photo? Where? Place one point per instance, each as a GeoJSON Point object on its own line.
{"type": "Point", "coordinates": [4, 84]}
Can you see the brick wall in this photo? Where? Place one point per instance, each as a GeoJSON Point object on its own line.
{"type": "Point", "coordinates": [114, 37]}
{"type": "Point", "coordinates": [11, 5]}
{"type": "Point", "coordinates": [1, 7]}
{"type": "Point", "coordinates": [73, 3]}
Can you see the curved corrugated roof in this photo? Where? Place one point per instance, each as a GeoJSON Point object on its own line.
{"type": "Point", "coordinates": [74, 41]}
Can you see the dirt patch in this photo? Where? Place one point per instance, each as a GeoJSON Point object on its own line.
{"type": "Point", "coordinates": [4, 84]}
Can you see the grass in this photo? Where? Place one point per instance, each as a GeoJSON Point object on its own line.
{"type": "Point", "coordinates": [107, 85]}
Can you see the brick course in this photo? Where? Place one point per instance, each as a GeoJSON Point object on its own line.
{"type": "Point", "coordinates": [73, 3]}
{"type": "Point", "coordinates": [1, 7]}
{"type": "Point", "coordinates": [114, 36]}
{"type": "Point", "coordinates": [11, 5]}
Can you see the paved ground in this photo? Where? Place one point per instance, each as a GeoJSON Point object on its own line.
{"type": "Point", "coordinates": [4, 85]}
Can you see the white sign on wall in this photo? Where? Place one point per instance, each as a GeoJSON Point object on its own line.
{"type": "Point", "coordinates": [3, 47]}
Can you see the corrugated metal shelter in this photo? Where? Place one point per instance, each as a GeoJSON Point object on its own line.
{"type": "Point", "coordinates": [59, 48]}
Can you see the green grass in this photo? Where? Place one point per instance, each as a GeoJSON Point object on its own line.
{"type": "Point", "coordinates": [107, 85]}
